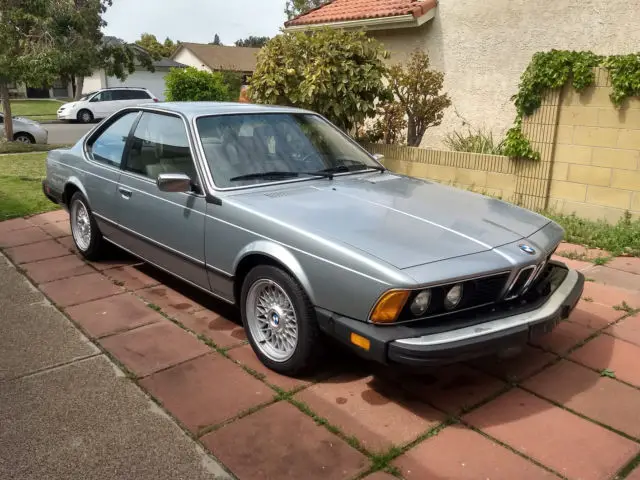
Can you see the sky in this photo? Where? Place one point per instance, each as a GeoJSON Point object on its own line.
{"type": "Point", "coordinates": [195, 20]}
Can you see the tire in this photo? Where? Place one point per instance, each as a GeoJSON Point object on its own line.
{"type": "Point", "coordinates": [24, 138]}
{"type": "Point", "coordinates": [85, 116]}
{"type": "Point", "coordinates": [308, 345]}
{"type": "Point", "coordinates": [91, 246]}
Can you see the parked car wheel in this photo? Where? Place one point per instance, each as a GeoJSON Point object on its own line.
{"type": "Point", "coordinates": [24, 138]}
{"type": "Point", "coordinates": [84, 229]}
{"type": "Point", "coordinates": [280, 321]}
{"type": "Point", "coordinates": [85, 116]}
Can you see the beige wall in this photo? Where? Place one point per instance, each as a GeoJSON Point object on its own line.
{"type": "Point", "coordinates": [484, 46]}
{"type": "Point", "coordinates": [596, 166]}
{"type": "Point", "coordinates": [185, 57]}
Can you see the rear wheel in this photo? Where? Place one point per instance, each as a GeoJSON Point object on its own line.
{"type": "Point", "coordinates": [24, 138]}
{"type": "Point", "coordinates": [84, 229]}
{"type": "Point", "coordinates": [280, 321]}
{"type": "Point", "coordinates": [85, 116]}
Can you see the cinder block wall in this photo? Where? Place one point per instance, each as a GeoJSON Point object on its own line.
{"type": "Point", "coordinates": [596, 163]}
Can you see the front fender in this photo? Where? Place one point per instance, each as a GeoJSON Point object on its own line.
{"type": "Point", "coordinates": [280, 254]}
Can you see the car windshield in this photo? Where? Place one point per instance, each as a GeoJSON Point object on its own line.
{"type": "Point", "coordinates": [86, 97]}
{"type": "Point", "coordinates": [249, 149]}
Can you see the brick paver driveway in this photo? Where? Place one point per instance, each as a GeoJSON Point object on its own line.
{"type": "Point", "coordinates": [569, 407]}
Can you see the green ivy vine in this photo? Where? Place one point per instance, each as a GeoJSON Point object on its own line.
{"type": "Point", "coordinates": [554, 69]}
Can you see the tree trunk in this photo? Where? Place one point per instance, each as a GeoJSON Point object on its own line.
{"type": "Point", "coordinates": [79, 87]}
{"type": "Point", "coordinates": [6, 108]}
{"type": "Point", "coordinates": [412, 136]}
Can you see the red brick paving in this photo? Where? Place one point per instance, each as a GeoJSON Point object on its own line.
{"type": "Point", "coordinates": [626, 264]}
{"type": "Point", "coordinates": [75, 290]}
{"type": "Point", "coordinates": [515, 368]}
{"type": "Point", "coordinates": [288, 445]}
{"type": "Point", "coordinates": [460, 453]}
{"type": "Point", "coordinates": [594, 315]}
{"type": "Point", "coordinates": [627, 329]}
{"type": "Point", "coordinates": [36, 251]}
{"type": "Point", "coordinates": [245, 356]}
{"type": "Point", "coordinates": [635, 474]}
{"type": "Point", "coordinates": [453, 388]}
{"type": "Point", "coordinates": [49, 217]}
{"type": "Point", "coordinates": [224, 333]}
{"type": "Point", "coordinates": [56, 268]}
{"type": "Point", "coordinates": [207, 391]}
{"type": "Point", "coordinates": [377, 413]}
{"type": "Point", "coordinates": [111, 315]}
{"type": "Point", "coordinates": [590, 394]}
{"type": "Point", "coordinates": [606, 352]}
{"type": "Point", "coordinates": [131, 277]}
{"type": "Point", "coordinates": [210, 389]}
{"type": "Point", "coordinates": [380, 476]}
{"type": "Point", "coordinates": [24, 236]}
{"type": "Point", "coordinates": [154, 347]}
{"type": "Point", "coordinates": [106, 264]}
{"type": "Point", "coordinates": [564, 337]}
{"type": "Point", "coordinates": [570, 445]}
{"type": "Point", "coordinates": [579, 265]}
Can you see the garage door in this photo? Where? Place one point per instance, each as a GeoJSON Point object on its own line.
{"type": "Point", "coordinates": [153, 81]}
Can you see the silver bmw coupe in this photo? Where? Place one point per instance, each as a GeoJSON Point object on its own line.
{"type": "Point", "coordinates": [277, 211]}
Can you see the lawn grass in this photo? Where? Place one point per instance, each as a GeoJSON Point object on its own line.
{"type": "Point", "coordinates": [17, 147]}
{"type": "Point", "coordinates": [35, 109]}
{"type": "Point", "coordinates": [20, 185]}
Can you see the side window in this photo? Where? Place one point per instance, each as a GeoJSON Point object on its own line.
{"type": "Point", "coordinates": [109, 146]}
{"type": "Point", "coordinates": [160, 145]}
{"type": "Point", "coordinates": [118, 95]}
{"type": "Point", "coordinates": [137, 95]}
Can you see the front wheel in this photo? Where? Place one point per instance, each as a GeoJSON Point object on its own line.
{"type": "Point", "coordinates": [280, 321]}
{"type": "Point", "coordinates": [85, 116]}
{"type": "Point", "coordinates": [84, 229]}
{"type": "Point", "coordinates": [24, 138]}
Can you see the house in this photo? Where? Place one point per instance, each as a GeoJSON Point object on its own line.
{"type": "Point", "coordinates": [214, 58]}
{"type": "Point", "coordinates": [482, 46]}
{"type": "Point", "coordinates": [141, 77]}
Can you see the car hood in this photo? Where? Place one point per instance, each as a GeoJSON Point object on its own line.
{"type": "Point", "coordinates": [401, 220]}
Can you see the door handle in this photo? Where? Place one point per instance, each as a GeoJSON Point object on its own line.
{"type": "Point", "coordinates": [126, 194]}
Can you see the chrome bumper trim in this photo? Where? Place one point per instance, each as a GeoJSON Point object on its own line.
{"type": "Point", "coordinates": [550, 308]}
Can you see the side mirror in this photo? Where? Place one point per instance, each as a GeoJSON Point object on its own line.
{"type": "Point", "coordinates": [174, 182]}
{"type": "Point", "coordinates": [378, 156]}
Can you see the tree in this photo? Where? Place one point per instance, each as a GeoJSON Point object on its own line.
{"type": "Point", "coordinates": [340, 74]}
{"type": "Point", "coordinates": [29, 33]}
{"type": "Point", "coordinates": [156, 49]}
{"type": "Point", "coordinates": [251, 41]}
{"type": "Point", "coordinates": [216, 40]}
{"type": "Point", "coordinates": [193, 85]}
{"type": "Point", "coordinates": [293, 8]}
{"type": "Point", "coordinates": [389, 124]}
{"type": "Point", "coordinates": [417, 88]}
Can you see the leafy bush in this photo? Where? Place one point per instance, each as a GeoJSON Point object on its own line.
{"type": "Point", "coordinates": [418, 89]}
{"type": "Point", "coordinates": [474, 141]}
{"type": "Point", "coordinates": [388, 127]}
{"type": "Point", "coordinates": [233, 81]}
{"type": "Point", "coordinates": [193, 85]}
{"type": "Point", "coordinates": [336, 73]}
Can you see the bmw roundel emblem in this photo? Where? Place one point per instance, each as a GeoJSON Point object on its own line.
{"type": "Point", "coordinates": [527, 249]}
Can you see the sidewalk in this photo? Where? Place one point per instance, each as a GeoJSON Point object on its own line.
{"type": "Point", "coordinates": [66, 411]}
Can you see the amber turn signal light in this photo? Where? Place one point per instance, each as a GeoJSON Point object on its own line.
{"type": "Point", "coordinates": [389, 306]}
{"type": "Point", "coordinates": [360, 341]}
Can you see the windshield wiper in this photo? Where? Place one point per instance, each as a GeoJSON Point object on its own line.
{"type": "Point", "coordinates": [278, 174]}
{"type": "Point", "coordinates": [352, 168]}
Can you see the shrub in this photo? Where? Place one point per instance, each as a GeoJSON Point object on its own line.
{"type": "Point", "coordinates": [474, 141]}
{"type": "Point", "coordinates": [193, 85]}
{"type": "Point", "coordinates": [336, 73]}
{"type": "Point", "coordinates": [388, 127]}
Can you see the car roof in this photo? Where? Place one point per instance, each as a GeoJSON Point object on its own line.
{"type": "Point", "coordinates": [196, 109]}
{"type": "Point", "coordinates": [121, 88]}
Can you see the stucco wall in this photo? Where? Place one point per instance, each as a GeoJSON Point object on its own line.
{"type": "Point", "coordinates": [185, 57]}
{"type": "Point", "coordinates": [94, 82]}
{"type": "Point", "coordinates": [484, 46]}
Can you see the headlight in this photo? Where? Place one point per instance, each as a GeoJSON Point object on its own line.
{"type": "Point", "coordinates": [453, 297]}
{"type": "Point", "coordinates": [389, 306]}
{"type": "Point", "coordinates": [420, 304]}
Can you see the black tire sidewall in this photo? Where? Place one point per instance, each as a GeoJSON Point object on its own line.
{"type": "Point", "coordinates": [25, 135]}
{"type": "Point", "coordinates": [81, 116]}
{"type": "Point", "coordinates": [94, 250]}
{"type": "Point", "coordinates": [309, 343]}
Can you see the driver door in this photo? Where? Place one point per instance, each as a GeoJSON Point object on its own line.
{"type": "Point", "coordinates": [165, 228]}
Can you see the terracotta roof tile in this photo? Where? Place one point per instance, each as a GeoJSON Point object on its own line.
{"type": "Point", "coordinates": [345, 10]}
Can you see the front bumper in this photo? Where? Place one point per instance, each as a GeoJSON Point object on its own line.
{"type": "Point", "coordinates": [66, 115]}
{"type": "Point", "coordinates": [419, 347]}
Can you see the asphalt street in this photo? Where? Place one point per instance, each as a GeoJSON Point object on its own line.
{"type": "Point", "coordinates": [66, 133]}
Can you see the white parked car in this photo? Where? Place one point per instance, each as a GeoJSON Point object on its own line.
{"type": "Point", "coordinates": [102, 103]}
